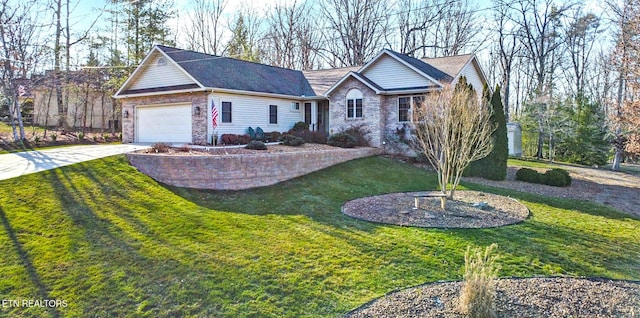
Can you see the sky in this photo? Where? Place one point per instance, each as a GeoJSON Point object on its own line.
{"type": "Point", "coordinates": [88, 11]}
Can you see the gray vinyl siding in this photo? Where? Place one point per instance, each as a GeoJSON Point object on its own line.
{"type": "Point", "coordinates": [389, 73]}
{"type": "Point", "coordinates": [155, 75]}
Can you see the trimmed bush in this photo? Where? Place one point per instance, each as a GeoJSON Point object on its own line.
{"type": "Point", "coordinates": [274, 136]}
{"type": "Point", "coordinates": [291, 140]}
{"type": "Point", "coordinates": [229, 139]}
{"type": "Point", "coordinates": [557, 178]}
{"type": "Point", "coordinates": [256, 145]}
{"type": "Point", "coordinates": [160, 147]}
{"type": "Point", "coordinates": [342, 140]}
{"type": "Point", "coordinates": [359, 133]}
{"type": "Point", "coordinates": [528, 175]}
{"type": "Point", "coordinates": [554, 177]}
{"type": "Point", "coordinates": [244, 139]}
{"type": "Point", "coordinates": [300, 126]}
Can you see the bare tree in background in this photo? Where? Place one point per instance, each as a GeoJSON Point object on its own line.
{"type": "Point", "coordinates": [506, 49]}
{"type": "Point", "coordinates": [458, 30]}
{"type": "Point", "coordinates": [205, 32]}
{"type": "Point", "coordinates": [626, 60]}
{"type": "Point", "coordinates": [356, 30]}
{"type": "Point", "coordinates": [245, 36]}
{"type": "Point", "coordinates": [292, 40]}
{"type": "Point", "coordinates": [539, 23]}
{"type": "Point", "coordinates": [452, 128]}
{"type": "Point", "coordinates": [19, 29]}
{"type": "Point", "coordinates": [437, 27]}
{"type": "Point", "coordinates": [415, 22]}
{"type": "Point", "coordinates": [62, 10]}
{"type": "Point", "coordinates": [580, 38]}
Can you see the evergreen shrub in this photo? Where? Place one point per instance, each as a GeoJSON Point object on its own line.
{"type": "Point", "coordinates": [342, 140]}
{"type": "Point", "coordinates": [494, 165]}
{"type": "Point", "coordinates": [256, 145]}
{"type": "Point", "coordinates": [291, 140]}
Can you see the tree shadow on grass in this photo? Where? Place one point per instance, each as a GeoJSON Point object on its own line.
{"type": "Point", "coordinates": [43, 290]}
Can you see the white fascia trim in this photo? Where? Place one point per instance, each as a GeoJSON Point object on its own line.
{"type": "Point", "coordinates": [344, 78]}
{"type": "Point", "coordinates": [413, 91]}
{"type": "Point", "coordinates": [144, 64]}
{"type": "Point", "coordinates": [193, 90]}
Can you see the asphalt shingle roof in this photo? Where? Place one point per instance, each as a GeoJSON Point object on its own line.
{"type": "Point", "coordinates": [423, 66]}
{"type": "Point", "coordinates": [228, 73]}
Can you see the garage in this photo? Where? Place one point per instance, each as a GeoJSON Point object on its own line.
{"type": "Point", "coordinates": [164, 123]}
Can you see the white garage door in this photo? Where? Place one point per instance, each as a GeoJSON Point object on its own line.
{"type": "Point", "coordinates": [164, 123]}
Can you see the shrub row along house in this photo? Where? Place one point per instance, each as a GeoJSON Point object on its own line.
{"type": "Point", "coordinates": [183, 96]}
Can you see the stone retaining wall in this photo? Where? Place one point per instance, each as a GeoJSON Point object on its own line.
{"type": "Point", "coordinates": [238, 172]}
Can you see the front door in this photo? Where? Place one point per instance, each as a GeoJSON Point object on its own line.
{"type": "Point", "coordinates": [323, 117]}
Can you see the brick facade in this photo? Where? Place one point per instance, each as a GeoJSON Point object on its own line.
{"type": "Point", "coordinates": [199, 123]}
{"type": "Point", "coordinates": [372, 114]}
{"type": "Point", "coordinates": [238, 172]}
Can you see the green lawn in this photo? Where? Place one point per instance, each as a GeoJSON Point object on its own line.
{"type": "Point", "coordinates": [112, 242]}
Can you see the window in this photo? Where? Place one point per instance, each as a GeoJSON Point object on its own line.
{"type": "Point", "coordinates": [295, 107]}
{"type": "Point", "coordinates": [162, 61]}
{"type": "Point", "coordinates": [404, 104]}
{"type": "Point", "coordinates": [354, 104]}
{"type": "Point", "coordinates": [226, 112]}
{"type": "Point", "coordinates": [273, 114]}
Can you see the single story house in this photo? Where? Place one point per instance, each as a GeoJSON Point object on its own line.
{"type": "Point", "coordinates": [182, 96]}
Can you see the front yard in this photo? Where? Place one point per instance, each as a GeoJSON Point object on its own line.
{"type": "Point", "coordinates": [110, 241]}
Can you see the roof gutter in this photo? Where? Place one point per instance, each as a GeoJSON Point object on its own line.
{"type": "Point", "coordinates": [182, 91]}
{"type": "Point", "coordinates": [263, 94]}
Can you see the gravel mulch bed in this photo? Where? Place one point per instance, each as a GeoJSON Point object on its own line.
{"type": "Point", "coordinates": [399, 209]}
{"type": "Point", "coordinates": [519, 297]}
{"type": "Point", "coordinates": [616, 189]}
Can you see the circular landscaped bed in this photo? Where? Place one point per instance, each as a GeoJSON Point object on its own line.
{"type": "Point", "coordinates": [528, 297]}
{"type": "Point", "coordinates": [470, 209]}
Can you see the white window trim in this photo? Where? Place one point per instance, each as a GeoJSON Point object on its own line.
{"type": "Point", "coordinates": [411, 106]}
{"type": "Point", "coordinates": [354, 94]}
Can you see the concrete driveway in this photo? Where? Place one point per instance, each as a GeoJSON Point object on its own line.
{"type": "Point", "coordinates": [20, 163]}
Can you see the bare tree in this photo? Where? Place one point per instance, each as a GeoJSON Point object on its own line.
{"type": "Point", "coordinates": [20, 53]}
{"type": "Point", "coordinates": [506, 49]}
{"type": "Point", "coordinates": [580, 38]}
{"type": "Point", "coordinates": [452, 128]}
{"type": "Point", "coordinates": [539, 23]}
{"type": "Point", "coordinates": [245, 36]}
{"type": "Point", "coordinates": [627, 20]}
{"type": "Point", "coordinates": [459, 30]}
{"type": "Point", "coordinates": [415, 22]}
{"type": "Point", "coordinates": [437, 27]}
{"type": "Point", "coordinates": [356, 30]}
{"type": "Point", "coordinates": [205, 32]}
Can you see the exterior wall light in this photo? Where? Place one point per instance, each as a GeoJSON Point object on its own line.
{"type": "Point", "coordinates": [197, 110]}
{"type": "Point", "coordinates": [125, 114]}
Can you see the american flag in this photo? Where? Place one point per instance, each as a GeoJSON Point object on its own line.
{"type": "Point", "coordinates": [214, 115]}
